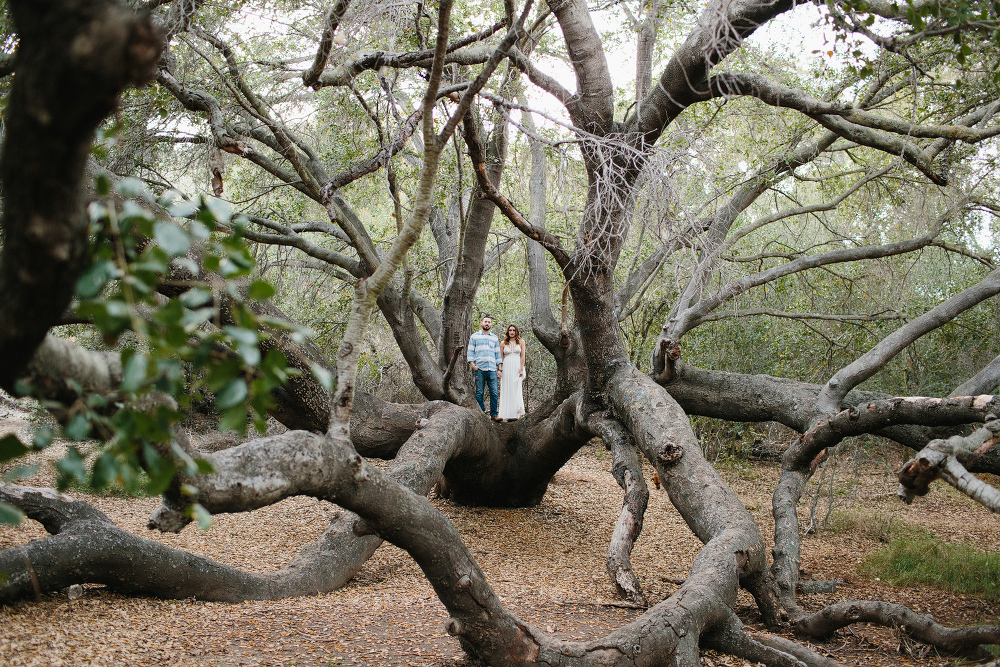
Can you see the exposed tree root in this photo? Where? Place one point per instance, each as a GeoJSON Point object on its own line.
{"type": "Point", "coordinates": [804, 456]}
{"type": "Point", "coordinates": [86, 546]}
{"type": "Point", "coordinates": [706, 502]}
{"type": "Point", "coordinates": [802, 653]}
{"type": "Point", "coordinates": [103, 553]}
{"type": "Point", "coordinates": [627, 469]}
{"type": "Point", "coordinates": [813, 587]}
{"type": "Point", "coordinates": [732, 638]}
{"type": "Point", "coordinates": [917, 626]}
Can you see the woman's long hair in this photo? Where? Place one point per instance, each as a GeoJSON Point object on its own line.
{"type": "Point", "coordinates": [507, 339]}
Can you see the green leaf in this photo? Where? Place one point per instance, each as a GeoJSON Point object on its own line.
{"type": "Point", "coordinates": [246, 343]}
{"type": "Point", "coordinates": [102, 184]}
{"type": "Point", "coordinates": [134, 188]}
{"type": "Point", "coordinates": [43, 437]}
{"type": "Point", "coordinates": [170, 197]}
{"type": "Point", "coordinates": [242, 336]}
{"type": "Point", "coordinates": [78, 428]}
{"type": "Point", "coordinates": [260, 290]}
{"type": "Point", "coordinates": [200, 231]}
{"type": "Point", "coordinates": [196, 297]}
{"type": "Point", "coordinates": [171, 238]}
{"type": "Point", "coordinates": [71, 468]}
{"type": "Point", "coordinates": [134, 373]}
{"type": "Point", "coordinates": [195, 318]}
{"type": "Point", "coordinates": [10, 515]}
{"type": "Point", "coordinates": [105, 471]}
{"type": "Point", "coordinates": [202, 516]}
{"type": "Point", "coordinates": [93, 280]}
{"type": "Point", "coordinates": [183, 209]}
{"type": "Point", "coordinates": [234, 419]}
{"type": "Point", "coordinates": [132, 210]}
{"type": "Point", "coordinates": [323, 376]}
{"type": "Point", "coordinates": [218, 208]}
{"type": "Point", "coordinates": [160, 470]}
{"type": "Point", "coordinates": [20, 472]}
{"type": "Point", "coordinates": [11, 448]}
{"type": "Point", "coordinates": [231, 395]}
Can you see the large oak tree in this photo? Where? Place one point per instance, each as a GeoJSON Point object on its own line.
{"type": "Point", "coordinates": [904, 136]}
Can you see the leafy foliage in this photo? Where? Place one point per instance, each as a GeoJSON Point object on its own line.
{"type": "Point", "coordinates": [206, 337]}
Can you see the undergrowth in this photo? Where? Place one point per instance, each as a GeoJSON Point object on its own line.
{"type": "Point", "coordinates": [920, 558]}
{"type": "Point", "coordinates": [874, 525]}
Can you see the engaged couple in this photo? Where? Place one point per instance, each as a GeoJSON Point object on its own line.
{"type": "Point", "coordinates": [489, 359]}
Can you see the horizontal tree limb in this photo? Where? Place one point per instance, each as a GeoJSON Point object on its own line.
{"type": "Point", "coordinates": [918, 626]}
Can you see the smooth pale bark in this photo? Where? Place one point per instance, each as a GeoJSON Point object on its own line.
{"type": "Point", "coordinates": [946, 459]}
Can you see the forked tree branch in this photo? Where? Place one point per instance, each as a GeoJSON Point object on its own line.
{"type": "Point", "coordinates": [946, 459]}
{"type": "Point", "coordinates": [343, 74]}
{"type": "Point", "coordinates": [311, 76]}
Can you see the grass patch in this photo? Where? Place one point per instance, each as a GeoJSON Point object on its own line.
{"type": "Point", "coordinates": [877, 526]}
{"type": "Point", "coordinates": [922, 559]}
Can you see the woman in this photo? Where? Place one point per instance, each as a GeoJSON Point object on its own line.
{"type": "Point", "coordinates": [512, 350]}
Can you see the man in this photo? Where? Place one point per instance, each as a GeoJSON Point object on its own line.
{"type": "Point", "coordinates": [487, 364]}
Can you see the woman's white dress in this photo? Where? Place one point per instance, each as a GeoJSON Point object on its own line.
{"type": "Point", "coordinates": [511, 396]}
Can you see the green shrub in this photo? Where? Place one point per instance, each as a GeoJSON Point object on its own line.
{"type": "Point", "coordinates": [921, 558]}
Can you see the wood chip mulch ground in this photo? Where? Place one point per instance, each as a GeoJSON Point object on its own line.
{"type": "Point", "coordinates": [546, 563]}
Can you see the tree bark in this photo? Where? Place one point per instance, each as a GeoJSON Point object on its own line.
{"type": "Point", "coordinates": [73, 61]}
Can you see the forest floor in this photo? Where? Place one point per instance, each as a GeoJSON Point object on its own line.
{"type": "Point", "coordinates": [545, 562]}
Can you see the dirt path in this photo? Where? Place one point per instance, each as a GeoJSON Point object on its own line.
{"type": "Point", "coordinates": [546, 562]}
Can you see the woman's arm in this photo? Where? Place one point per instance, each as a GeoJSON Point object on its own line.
{"type": "Point", "coordinates": [524, 349]}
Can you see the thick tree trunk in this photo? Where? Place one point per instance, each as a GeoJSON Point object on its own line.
{"type": "Point", "coordinates": [73, 60]}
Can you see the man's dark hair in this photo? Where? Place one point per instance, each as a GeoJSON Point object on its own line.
{"type": "Point", "coordinates": [485, 316]}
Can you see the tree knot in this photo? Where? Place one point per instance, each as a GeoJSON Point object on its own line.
{"type": "Point", "coordinates": [453, 627]}
{"type": "Point", "coordinates": [360, 470]}
{"type": "Point", "coordinates": [670, 453]}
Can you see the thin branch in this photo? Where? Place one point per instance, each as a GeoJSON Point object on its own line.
{"type": "Point", "coordinates": [347, 72]}
{"type": "Point", "coordinates": [751, 312]}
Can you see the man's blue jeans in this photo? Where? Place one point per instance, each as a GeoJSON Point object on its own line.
{"type": "Point", "coordinates": [487, 377]}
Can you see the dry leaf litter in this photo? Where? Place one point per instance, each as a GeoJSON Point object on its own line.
{"type": "Point", "coordinates": [546, 563]}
